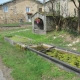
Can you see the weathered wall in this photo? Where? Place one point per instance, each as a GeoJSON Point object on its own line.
{"type": "Point", "coordinates": [17, 10]}
{"type": "Point", "coordinates": [47, 23]}
{"type": "Point", "coordinates": [66, 7]}
{"type": "Point", "coordinates": [71, 8]}
{"type": "Point", "coordinates": [38, 15]}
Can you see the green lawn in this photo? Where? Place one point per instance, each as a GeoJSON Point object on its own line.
{"type": "Point", "coordinates": [27, 65]}
{"type": "Point", "coordinates": [15, 24]}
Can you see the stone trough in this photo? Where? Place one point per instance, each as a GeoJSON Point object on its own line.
{"type": "Point", "coordinates": [18, 41]}
{"type": "Point", "coordinates": [55, 54]}
{"type": "Point", "coordinates": [44, 51]}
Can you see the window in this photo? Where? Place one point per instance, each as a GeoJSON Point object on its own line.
{"type": "Point", "coordinates": [27, 9]}
{"type": "Point", "coordinates": [40, 9]}
{"type": "Point", "coordinates": [5, 8]}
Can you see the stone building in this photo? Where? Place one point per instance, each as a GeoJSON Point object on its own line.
{"type": "Point", "coordinates": [42, 23]}
{"type": "Point", "coordinates": [66, 7]}
{"type": "Point", "coordinates": [19, 10]}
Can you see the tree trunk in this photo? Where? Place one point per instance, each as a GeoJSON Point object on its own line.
{"type": "Point", "coordinates": [52, 10]}
{"type": "Point", "coordinates": [79, 18]}
{"type": "Point", "coordinates": [57, 27]}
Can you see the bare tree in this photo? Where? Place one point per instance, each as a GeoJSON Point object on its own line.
{"type": "Point", "coordinates": [51, 7]}
{"type": "Point", "coordinates": [55, 13]}
{"type": "Point", "coordinates": [44, 4]}
{"type": "Point", "coordinates": [78, 8]}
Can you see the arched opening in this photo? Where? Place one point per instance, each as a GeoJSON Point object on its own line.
{"type": "Point", "coordinates": [38, 22]}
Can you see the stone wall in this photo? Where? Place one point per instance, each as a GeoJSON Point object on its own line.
{"type": "Point", "coordinates": [12, 18]}
{"type": "Point", "coordinates": [16, 18]}
{"type": "Point", "coordinates": [17, 11]}
{"type": "Point", "coordinates": [67, 7]}
{"type": "Point", "coordinates": [47, 21]}
{"type": "Point", "coordinates": [50, 24]}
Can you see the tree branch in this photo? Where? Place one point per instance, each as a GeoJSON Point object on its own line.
{"type": "Point", "coordinates": [74, 4]}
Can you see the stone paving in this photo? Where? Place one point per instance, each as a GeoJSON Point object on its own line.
{"type": "Point", "coordinates": [1, 75]}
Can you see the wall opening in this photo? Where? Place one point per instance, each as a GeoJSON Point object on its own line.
{"type": "Point", "coordinates": [38, 22]}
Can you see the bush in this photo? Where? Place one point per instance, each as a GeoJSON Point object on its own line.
{"type": "Point", "coordinates": [71, 23]}
{"type": "Point", "coordinates": [68, 23]}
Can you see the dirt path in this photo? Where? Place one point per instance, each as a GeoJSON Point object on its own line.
{"type": "Point", "coordinates": [5, 72]}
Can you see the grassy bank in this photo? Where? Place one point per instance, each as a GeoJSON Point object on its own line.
{"type": "Point", "coordinates": [27, 65]}
{"type": "Point", "coordinates": [15, 24]}
{"type": "Point", "coordinates": [62, 39]}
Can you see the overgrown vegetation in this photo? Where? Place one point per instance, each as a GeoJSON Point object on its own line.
{"type": "Point", "coordinates": [72, 59]}
{"type": "Point", "coordinates": [68, 23]}
{"type": "Point", "coordinates": [27, 65]}
{"type": "Point", "coordinates": [61, 18]}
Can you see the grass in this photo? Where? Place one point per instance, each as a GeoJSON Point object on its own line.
{"type": "Point", "coordinates": [19, 39]}
{"type": "Point", "coordinates": [15, 24]}
{"type": "Point", "coordinates": [49, 38]}
{"type": "Point", "coordinates": [54, 38]}
{"type": "Point", "coordinates": [27, 65]}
